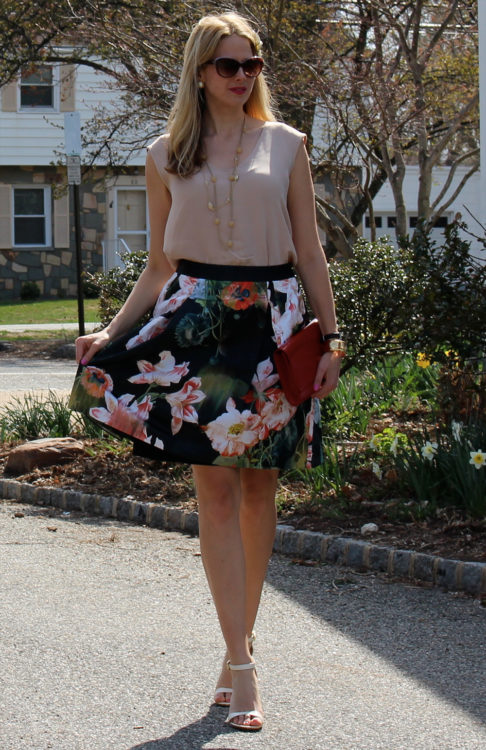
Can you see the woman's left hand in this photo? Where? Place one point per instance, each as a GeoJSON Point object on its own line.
{"type": "Point", "coordinates": [327, 375]}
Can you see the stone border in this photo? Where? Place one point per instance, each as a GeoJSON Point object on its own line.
{"type": "Point", "coordinates": [453, 575]}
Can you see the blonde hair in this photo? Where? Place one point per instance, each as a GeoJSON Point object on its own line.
{"type": "Point", "coordinates": [185, 120]}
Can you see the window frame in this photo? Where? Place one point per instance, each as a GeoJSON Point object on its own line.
{"type": "Point", "coordinates": [56, 97]}
{"type": "Point", "coordinates": [47, 217]}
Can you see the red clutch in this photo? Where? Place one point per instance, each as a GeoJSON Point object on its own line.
{"type": "Point", "coordinates": [296, 362]}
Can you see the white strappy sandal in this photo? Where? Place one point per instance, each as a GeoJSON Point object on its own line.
{"type": "Point", "coordinates": [229, 691]}
{"type": "Point", "coordinates": [252, 713]}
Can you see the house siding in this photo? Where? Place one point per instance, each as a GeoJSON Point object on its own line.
{"type": "Point", "coordinates": [54, 268]}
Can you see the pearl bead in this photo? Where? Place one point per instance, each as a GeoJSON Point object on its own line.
{"type": "Point", "coordinates": [217, 222]}
{"type": "Point", "coordinates": [239, 150]}
{"type": "Point", "coordinates": [213, 179]}
{"type": "Point", "coordinates": [231, 223]}
{"type": "Point", "coordinates": [210, 206]}
{"type": "Point", "coordinates": [230, 243]}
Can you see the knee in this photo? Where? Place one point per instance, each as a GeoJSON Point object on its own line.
{"type": "Point", "coordinates": [257, 501]}
{"type": "Point", "coordinates": [258, 489]}
{"type": "Point", "coordinates": [219, 506]}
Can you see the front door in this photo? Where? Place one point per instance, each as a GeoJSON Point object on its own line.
{"type": "Point", "coordinates": [131, 219]}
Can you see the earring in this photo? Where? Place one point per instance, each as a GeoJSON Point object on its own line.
{"type": "Point", "coordinates": [200, 84]}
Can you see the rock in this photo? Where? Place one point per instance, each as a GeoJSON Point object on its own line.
{"type": "Point", "coordinates": [5, 346]}
{"type": "Point", "coordinates": [42, 452]}
{"type": "Point", "coordinates": [368, 528]}
{"type": "Point", "coordinates": [65, 351]}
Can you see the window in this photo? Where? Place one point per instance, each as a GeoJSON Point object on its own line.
{"type": "Point", "coordinates": [378, 222]}
{"type": "Point", "coordinates": [37, 88]}
{"type": "Point", "coordinates": [32, 217]}
{"type": "Point", "coordinates": [441, 222]}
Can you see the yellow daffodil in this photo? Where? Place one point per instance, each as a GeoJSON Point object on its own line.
{"type": "Point", "coordinates": [478, 459]}
{"type": "Point", "coordinates": [423, 360]}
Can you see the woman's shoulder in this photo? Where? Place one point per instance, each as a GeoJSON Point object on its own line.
{"type": "Point", "coordinates": [285, 132]}
{"type": "Point", "coordinates": [159, 145]}
{"type": "Point", "coordinates": [158, 150]}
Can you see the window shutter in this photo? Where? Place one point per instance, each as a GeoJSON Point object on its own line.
{"type": "Point", "coordinates": [5, 217]}
{"type": "Point", "coordinates": [61, 221]}
{"type": "Point", "coordinates": [68, 79]}
{"type": "Point", "coordinates": [9, 96]}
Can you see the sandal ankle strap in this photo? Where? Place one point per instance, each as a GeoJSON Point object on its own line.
{"type": "Point", "coordinates": [239, 667]}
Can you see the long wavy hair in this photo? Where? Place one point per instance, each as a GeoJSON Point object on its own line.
{"type": "Point", "coordinates": [185, 120]}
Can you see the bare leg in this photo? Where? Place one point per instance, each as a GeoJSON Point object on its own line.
{"type": "Point", "coordinates": [258, 518]}
{"type": "Point", "coordinates": [219, 496]}
{"type": "Point", "coordinates": [257, 524]}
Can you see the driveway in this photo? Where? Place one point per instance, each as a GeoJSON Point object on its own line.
{"type": "Point", "coordinates": [109, 641]}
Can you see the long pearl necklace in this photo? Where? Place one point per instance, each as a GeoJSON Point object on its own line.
{"type": "Point", "coordinates": [213, 205]}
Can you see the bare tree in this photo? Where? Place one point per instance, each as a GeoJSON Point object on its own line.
{"type": "Point", "coordinates": [402, 89]}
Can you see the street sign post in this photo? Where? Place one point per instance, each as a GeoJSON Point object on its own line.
{"type": "Point", "coordinates": [72, 148]}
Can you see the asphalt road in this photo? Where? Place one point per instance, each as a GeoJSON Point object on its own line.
{"type": "Point", "coordinates": [19, 376]}
{"type": "Point", "coordinates": [34, 374]}
{"type": "Point", "coordinates": [109, 641]}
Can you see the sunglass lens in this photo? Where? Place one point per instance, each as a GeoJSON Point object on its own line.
{"type": "Point", "coordinates": [227, 67]}
{"type": "Point", "coordinates": [252, 67]}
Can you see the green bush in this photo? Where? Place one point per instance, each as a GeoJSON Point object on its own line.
{"type": "Point", "coordinates": [29, 290]}
{"type": "Point", "coordinates": [415, 298]}
{"type": "Point", "coordinates": [372, 292]}
{"type": "Point", "coordinates": [449, 298]}
{"type": "Point", "coordinates": [90, 286]}
{"type": "Point", "coordinates": [115, 285]}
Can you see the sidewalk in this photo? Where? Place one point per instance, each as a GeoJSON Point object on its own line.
{"type": "Point", "coordinates": [21, 327]}
{"type": "Point", "coordinates": [110, 642]}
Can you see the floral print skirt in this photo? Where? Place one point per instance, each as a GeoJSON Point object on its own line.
{"type": "Point", "coordinates": [197, 383]}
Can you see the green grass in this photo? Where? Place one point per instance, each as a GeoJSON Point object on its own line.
{"type": "Point", "coordinates": [47, 311]}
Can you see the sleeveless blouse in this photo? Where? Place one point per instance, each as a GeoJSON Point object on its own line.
{"type": "Point", "coordinates": [262, 234]}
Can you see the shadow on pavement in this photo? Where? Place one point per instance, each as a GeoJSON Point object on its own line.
{"type": "Point", "coordinates": [193, 736]}
{"type": "Point", "coordinates": [435, 637]}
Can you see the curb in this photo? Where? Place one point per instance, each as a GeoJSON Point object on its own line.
{"type": "Point", "coordinates": [453, 575]}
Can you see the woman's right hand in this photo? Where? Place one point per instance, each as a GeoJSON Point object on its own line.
{"type": "Point", "coordinates": [89, 345]}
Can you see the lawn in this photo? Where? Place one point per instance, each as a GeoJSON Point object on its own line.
{"type": "Point", "coordinates": [47, 311]}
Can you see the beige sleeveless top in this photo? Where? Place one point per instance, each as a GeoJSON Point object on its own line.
{"type": "Point", "coordinates": [262, 234]}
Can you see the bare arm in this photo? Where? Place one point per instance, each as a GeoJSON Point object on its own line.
{"type": "Point", "coordinates": [150, 282]}
{"type": "Point", "coordinates": [312, 265]}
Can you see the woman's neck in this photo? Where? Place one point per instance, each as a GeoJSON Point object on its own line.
{"type": "Point", "coordinates": [222, 122]}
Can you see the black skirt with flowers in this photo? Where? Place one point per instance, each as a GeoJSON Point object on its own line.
{"type": "Point", "coordinates": [197, 383]}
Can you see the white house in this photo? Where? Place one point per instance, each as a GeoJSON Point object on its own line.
{"type": "Point", "coordinates": [36, 219]}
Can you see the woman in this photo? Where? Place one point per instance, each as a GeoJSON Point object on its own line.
{"type": "Point", "coordinates": [231, 205]}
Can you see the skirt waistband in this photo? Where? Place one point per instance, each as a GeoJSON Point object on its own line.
{"type": "Point", "coordinates": [235, 273]}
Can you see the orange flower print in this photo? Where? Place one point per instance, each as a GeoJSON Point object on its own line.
{"type": "Point", "coordinates": [277, 411]}
{"type": "Point", "coordinates": [240, 294]}
{"type": "Point", "coordinates": [96, 381]}
{"type": "Point", "coordinates": [124, 414]}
